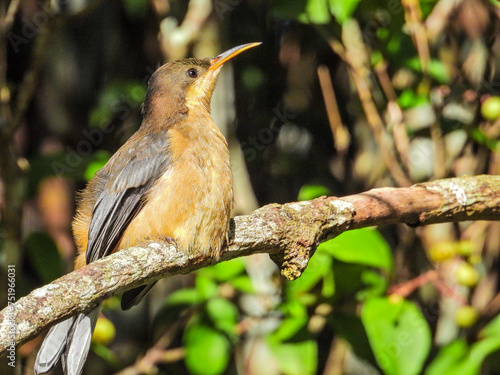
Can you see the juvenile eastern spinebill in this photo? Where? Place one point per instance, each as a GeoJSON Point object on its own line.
{"type": "Point", "coordinates": [171, 179]}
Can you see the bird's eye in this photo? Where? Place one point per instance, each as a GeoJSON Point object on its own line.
{"type": "Point", "coordinates": [192, 73]}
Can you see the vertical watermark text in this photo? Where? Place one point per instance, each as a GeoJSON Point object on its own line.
{"type": "Point", "coordinates": [11, 316]}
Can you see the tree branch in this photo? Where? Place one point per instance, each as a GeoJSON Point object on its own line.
{"type": "Point", "coordinates": [289, 233]}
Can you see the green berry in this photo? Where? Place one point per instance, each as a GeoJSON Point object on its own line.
{"type": "Point", "coordinates": [490, 109]}
{"type": "Point", "coordinates": [104, 331]}
{"type": "Point", "coordinates": [442, 251]}
{"type": "Point", "coordinates": [466, 275]}
{"type": "Point", "coordinates": [466, 316]}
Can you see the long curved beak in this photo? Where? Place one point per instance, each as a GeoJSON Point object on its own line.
{"type": "Point", "coordinates": [217, 61]}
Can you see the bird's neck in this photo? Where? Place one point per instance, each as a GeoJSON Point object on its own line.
{"type": "Point", "coordinates": [163, 110]}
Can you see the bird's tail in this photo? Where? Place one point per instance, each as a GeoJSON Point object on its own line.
{"type": "Point", "coordinates": [69, 341]}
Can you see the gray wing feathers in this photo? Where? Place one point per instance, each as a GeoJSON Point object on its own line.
{"type": "Point", "coordinates": [53, 346]}
{"type": "Point", "coordinates": [123, 195]}
{"type": "Point", "coordinates": [137, 173]}
{"type": "Point", "coordinates": [108, 225]}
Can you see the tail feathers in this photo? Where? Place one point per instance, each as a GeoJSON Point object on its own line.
{"type": "Point", "coordinates": [79, 340]}
{"type": "Point", "coordinates": [68, 341]}
{"type": "Point", "coordinates": [53, 346]}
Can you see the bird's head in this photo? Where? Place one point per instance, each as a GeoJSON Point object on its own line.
{"type": "Point", "coordinates": [183, 85]}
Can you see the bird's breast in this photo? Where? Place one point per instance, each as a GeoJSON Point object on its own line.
{"type": "Point", "coordinates": [192, 200]}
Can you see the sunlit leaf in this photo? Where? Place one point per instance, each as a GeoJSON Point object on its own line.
{"type": "Point", "coordinates": [436, 69]}
{"type": "Point", "coordinates": [205, 286]}
{"type": "Point", "coordinates": [362, 246]}
{"type": "Point", "coordinates": [492, 329]}
{"type": "Point", "coordinates": [317, 12]}
{"type": "Point", "coordinates": [207, 350]}
{"type": "Point", "coordinates": [288, 328]}
{"type": "Point", "coordinates": [185, 296]}
{"type": "Point", "coordinates": [223, 313]}
{"type": "Point", "coordinates": [410, 99]}
{"type": "Point", "coordinates": [343, 9]}
{"type": "Point", "coordinates": [225, 271]}
{"type": "Point", "coordinates": [297, 358]}
{"type": "Point", "coordinates": [243, 284]}
{"type": "Point", "coordinates": [319, 266]}
{"type": "Point", "coordinates": [458, 358]}
{"type": "Point", "coordinates": [99, 159]}
{"type": "Point", "coordinates": [308, 192]}
{"type": "Point", "coordinates": [398, 333]}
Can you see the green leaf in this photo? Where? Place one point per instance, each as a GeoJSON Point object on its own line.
{"type": "Point", "coordinates": [297, 358]}
{"type": "Point", "coordinates": [288, 9]}
{"type": "Point", "coordinates": [288, 328]}
{"type": "Point", "coordinates": [376, 285]}
{"type": "Point", "coordinates": [410, 99]}
{"type": "Point", "coordinates": [205, 286]}
{"type": "Point", "coordinates": [351, 329]}
{"type": "Point", "coordinates": [243, 284]}
{"type": "Point", "coordinates": [319, 266]}
{"type": "Point", "coordinates": [343, 9]}
{"type": "Point", "coordinates": [105, 353]}
{"type": "Point", "coordinates": [207, 350]}
{"type": "Point", "coordinates": [448, 357]}
{"type": "Point", "coordinates": [116, 100]}
{"type": "Point", "coordinates": [100, 158]}
{"type": "Point", "coordinates": [185, 296]}
{"type": "Point", "coordinates": [436, 69]}
{"type": "Point", "coordinates": [482, 138]}
{"type": "Point", "coordinates": [347, 278]}
{"type": "Point", "coordinates": [295, 320]}
{"type": "Point", "coordinates": [317, 12]}
{"type": "Point", "coordinates": [226, 271]}
{"type": "Point", "coordinates": [308, 192]}
{"type": "Point", "coordinates": [44, 256]}
{"type": "Point", "coordinates": [223, 313]}
{"type": "Point", "coordinates": [136, 9]}
{"type": "Point", "coordinates": [457, 358]}
{"type": "Point", "coordinates": [398, 333]}
{"type": "Point", "coordinates": [439, 72]}
{"type": "Point", "coordinates": [361, 246]}
{"type": "Point", "coordinates": [492, 329]}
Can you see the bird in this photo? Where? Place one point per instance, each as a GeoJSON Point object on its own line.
{"type": "Point", "coordinates": [171, 179]}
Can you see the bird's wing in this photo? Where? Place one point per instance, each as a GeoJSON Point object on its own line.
{"type": "Point", "coordinates": [130, 174]}
{"type": "Point", "coordinates": [132, 297]}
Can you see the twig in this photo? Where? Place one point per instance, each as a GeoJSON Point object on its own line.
{"type": "Point", "coordinates": [408, 287]}
{"type": "Point", "coordinates": [175, 40]}
{"type": "Point", "coordinates": [289, 233]}
{"type": "Point", "coordinates": [401, 139]}
{"type": "Point", "coordinates": [439, 150]}
{"type": "Point", "coordinates": [439, 17]}
{"type": "Point", "coordinates": [413, 18]}
{"type": "Point", "coordinates": [336, 357]}
{"type": "Point", "coordinates": [340, 133]}
{"type": "Point", "coordinates": [159, 353]}
{"type": "Point", "coordinates": [431, 276]}
{"type": "Point", "coordinates": [357, 59]}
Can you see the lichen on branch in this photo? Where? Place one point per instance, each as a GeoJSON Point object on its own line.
{"type": "Point", "coordinates": [289, 233]}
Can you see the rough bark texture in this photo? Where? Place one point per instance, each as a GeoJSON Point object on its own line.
{"type": "Point", "coordinates": [289, 233]}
